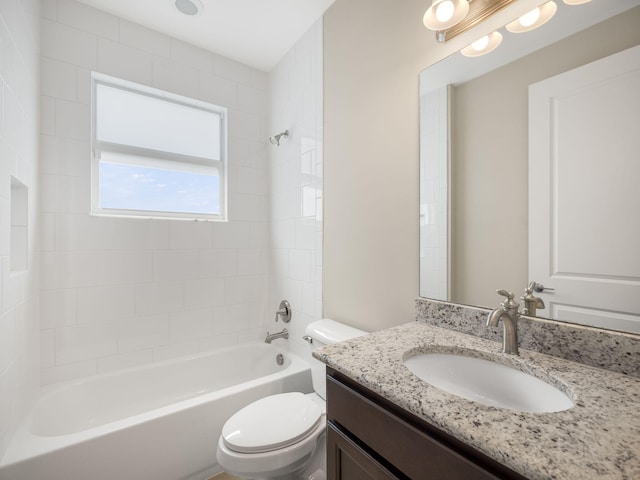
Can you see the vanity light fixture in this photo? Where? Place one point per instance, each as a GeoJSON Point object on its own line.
{"type": "Point", "coordinates": [533, 19]}
{"type": "Point", "coordinates": [449, 18]}
{"type": "Point", "coordinates": [483, 45]}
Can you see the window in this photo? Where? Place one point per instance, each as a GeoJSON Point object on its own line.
{"type": "Point", "coordinates": [156, 154]}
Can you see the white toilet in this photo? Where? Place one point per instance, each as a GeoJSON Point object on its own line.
{"type": "Point", "coordinates": [283, 436]}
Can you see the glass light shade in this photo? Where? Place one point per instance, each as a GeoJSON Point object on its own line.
{"type": "Point", "coordinates": [483, 45]}
{"type": "Point", "coordinates": [443, 14]}
{"type": "Point", "coordinates": [576, 2]}
{"type": "Point", "coordinates": [533, 19]}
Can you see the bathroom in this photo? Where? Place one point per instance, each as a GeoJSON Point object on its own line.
{"type": "Point", "coordinates": [95, 295]}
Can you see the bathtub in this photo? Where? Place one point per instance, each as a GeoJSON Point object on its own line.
{"type": "Point", "coordinates": [150, 423]}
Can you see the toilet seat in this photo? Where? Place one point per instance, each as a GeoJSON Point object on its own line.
{"type": "Point", "coordinates": [271, 423]}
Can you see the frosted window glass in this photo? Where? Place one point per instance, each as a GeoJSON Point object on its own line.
{"type": "Point", "coordinates": [138, 120]}
{"type": "Point", "coordinates": [135, 187]}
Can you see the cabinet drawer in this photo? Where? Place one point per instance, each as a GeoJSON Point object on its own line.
{"type": "Point", "coordinates": [412, 451]}
{"type": "Point", "coordinates": [348, 461]}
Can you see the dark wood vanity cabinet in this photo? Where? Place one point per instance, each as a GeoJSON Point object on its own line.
{"type": "Point", "coordinates": [369, 437]}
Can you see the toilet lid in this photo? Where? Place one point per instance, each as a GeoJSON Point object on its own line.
{"type": "Point", "coordinates": [271, 423]}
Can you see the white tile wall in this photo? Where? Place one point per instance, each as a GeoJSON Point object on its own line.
{"type": "Point", "coordinates": [295, 103]}
{"type": "Point", "coordinates": [123, 292]}
{"type": "Point", "coordinates": [19, 110]}
{"type": "Point", "coordinates": [115, 293]}
{"type": "Point", "coordinates": [434, 221]}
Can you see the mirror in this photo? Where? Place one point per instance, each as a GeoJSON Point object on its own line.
{"type": "Point", "coordinates": [474, 154]}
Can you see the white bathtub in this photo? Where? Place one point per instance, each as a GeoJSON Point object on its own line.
{"type": "Point", "coordinates": [150, 423]}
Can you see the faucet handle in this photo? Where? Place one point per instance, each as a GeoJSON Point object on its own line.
{"type": "Point", "coordinates": [538, 287]}
{"type": "Point", "coordinates": [284, 312]}
{"type": "Point", "coordinates": [505, 293]}
{"type": "Point", "coordinates": [508, 302]}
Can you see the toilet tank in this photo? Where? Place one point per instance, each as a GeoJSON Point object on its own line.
{"type": "Point", "coordinates": [326, 332]}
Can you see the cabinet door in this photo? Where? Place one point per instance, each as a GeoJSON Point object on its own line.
{"type": "Point", "coordinates": [347, 461]}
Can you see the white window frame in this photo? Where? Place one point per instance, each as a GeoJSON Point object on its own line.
{"type": "Point", "coordinates": [156, 158]}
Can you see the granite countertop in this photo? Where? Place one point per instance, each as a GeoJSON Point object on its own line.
{"type": "Point", "coordinates": [598, 438]}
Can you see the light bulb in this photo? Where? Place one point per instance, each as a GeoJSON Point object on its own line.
{"type": "Point", "coordinates": [483, 45]}
{"type": "Point", "coordinates": [530, 18]}
{"type": "Point", "coordinates": [533, 19]}
{"type": "Point", "coordinates": [444, 11]}
{"type": "Point", "coordinates": [480, 44]}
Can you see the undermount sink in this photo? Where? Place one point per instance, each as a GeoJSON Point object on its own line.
{"type": "Point", "coordinates": [487, 382]}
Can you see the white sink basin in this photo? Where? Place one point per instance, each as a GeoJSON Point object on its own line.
{"type": "Point", "coordinates": [488, 382]}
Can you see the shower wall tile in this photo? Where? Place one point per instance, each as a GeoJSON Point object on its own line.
{"type": "Point", "coordinates": [58, 79]}
{"type": "Point", "coordinates": [204, 293]}
{"type": "Point", "coordinates": [58, 308]}
{"type": "Point", "coordinates": [172, 76]}
{"type": "Point", "coordinates": [124, 360]}
{"type": "Point", "coordinates": [19, 127]}
{"type": "Point", "coordinates": [232, 70]}
{"type": "Point", "coordinates": [105, 303]}
{"type": "Point", "coordinates": [142, 333]}
{"type": "Point", "coordinates": [124, 62]}
{"type": "Point", "coordinates": [64, 373]}
{"type": "Point", "coordinates": [191, 56]}
{"type": "Point", "coordinates": [193, 235]}
{"type": "Point", "coordinates": [120, 292]}
{"type": "Point", "coordinates": [191, 324]}
{"type": "Point", "coordinates": [295, 104]}
{"type": "Point", "coordinates": [72, 120]}
{"type": "Point", "coordinates": [83, 17]}
{"type": "Point", "coordinates": [214, 89]}
{"type": "Point", "coordinates": [76, 343]}
{"type": "Point", "coordinates": [145, 39]}
{"type": "Point", "coordinates": [69, 45]}
{"type": "Point", "coordinates": [233, 235]}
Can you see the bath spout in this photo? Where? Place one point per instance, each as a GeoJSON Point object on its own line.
{"type": "Point", "coordinates": [270, 337]}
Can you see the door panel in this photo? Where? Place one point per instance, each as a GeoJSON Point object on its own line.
{"type": "Point", "coordinates": [584, 191]}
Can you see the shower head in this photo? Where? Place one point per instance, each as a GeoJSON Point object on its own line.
{"type": "Point", "coordinates": [275, 140]}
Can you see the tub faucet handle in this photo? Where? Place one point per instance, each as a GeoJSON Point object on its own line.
{"type": "Point", "coordinates": [284, 311]}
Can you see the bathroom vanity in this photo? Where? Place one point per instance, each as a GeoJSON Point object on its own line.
{"type": "Point", "coordinates": [385, 422]}
{"type": "Point", "coordinates": [370, 437]}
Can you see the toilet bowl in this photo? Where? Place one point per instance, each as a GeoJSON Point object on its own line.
{"type": "Point", "coordinates": [283, 436]}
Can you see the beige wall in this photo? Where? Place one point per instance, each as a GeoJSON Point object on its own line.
{"type": "Point", "coordinates": [374, 50]}
{"type": "Point", "coordinates": [489, 176]}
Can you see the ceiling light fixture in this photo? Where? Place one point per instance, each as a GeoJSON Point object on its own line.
{"type": "Point", "coordinates": [189, 7]}
{"type": "Point", "coordinates": [576, 2]}
{"type": "Point", "coordinates": [483, 45]}
{"type": "Point", "coordinates": [533, 19]}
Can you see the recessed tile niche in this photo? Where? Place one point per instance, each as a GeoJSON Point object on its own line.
{"type": "Point", "coordinates": [19, 226]}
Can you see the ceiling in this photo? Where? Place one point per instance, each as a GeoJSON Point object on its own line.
{"type": "Point", "coordinates": [254, 32]}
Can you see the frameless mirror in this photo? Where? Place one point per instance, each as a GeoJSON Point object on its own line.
{"type": "Point", "coordinates": [489, 218]}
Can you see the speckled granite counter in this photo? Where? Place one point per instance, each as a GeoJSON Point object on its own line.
{"type": "Point", "coordinates": [598, 438]}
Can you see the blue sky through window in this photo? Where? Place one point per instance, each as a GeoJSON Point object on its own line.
{"type": "Point", "coordinates": [130, 187]}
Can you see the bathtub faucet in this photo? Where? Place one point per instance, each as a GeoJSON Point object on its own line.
{"type": "Point", "coordinates": [283, 334]}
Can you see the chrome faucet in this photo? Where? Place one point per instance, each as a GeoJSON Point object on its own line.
{"type": "Point", "coordinates": [509, 313]}
{"type": "Point", "coordinates": [283, 334]}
